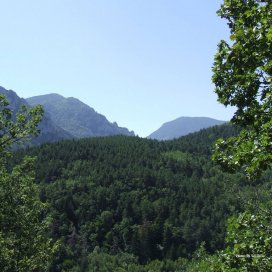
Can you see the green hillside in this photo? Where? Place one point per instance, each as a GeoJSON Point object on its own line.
{"type": "Point", "coordinates": [127, 195]}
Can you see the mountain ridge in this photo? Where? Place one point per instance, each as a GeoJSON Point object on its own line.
{"type": "Point", "coordinates": [65, 118]}
{"type": "Point", "coordinates": [76, 117]}
{"type": "Point", "coordinates": [50, 132]}
{"type": "Point", "coordinates": [182, 126]}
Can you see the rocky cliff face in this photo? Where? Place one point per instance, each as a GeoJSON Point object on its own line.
{"type": "Point", "coordinates": [77, 118]}
{"type": "Point", "coordinates": [65, 118]}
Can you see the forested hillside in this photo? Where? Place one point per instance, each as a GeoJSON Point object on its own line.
{"type": "Point", "coordinates": [78, 194]}
{"type": "Point", "coordinates": [150, 199]}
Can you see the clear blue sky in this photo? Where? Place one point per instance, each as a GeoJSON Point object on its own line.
{"type": "Point", "coordinates": [138, 62]}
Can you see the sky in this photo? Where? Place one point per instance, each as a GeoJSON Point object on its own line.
{"type": "Point", "coordinates": [140, 63]}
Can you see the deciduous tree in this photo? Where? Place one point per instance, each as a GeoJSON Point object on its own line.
{"type": "Point", "coordinates": [24, 245]}
{"type": "Point", "coordinates": [242, 74]}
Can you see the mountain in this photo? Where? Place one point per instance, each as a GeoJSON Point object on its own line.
{"type": "Point", "coordinates": [50, 132]}
{"type": "Point", "coordinates": [14, 100]}
{"type": "Point", "coordinates": [77, 118]}
{"type": "Point", "coordinates": [183, 126]}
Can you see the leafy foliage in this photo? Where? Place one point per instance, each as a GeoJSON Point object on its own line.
{"type": "Point", "coordinates": [24, 245]}
{"type": "Point", "coordinates": [242, 76]}
{"type": "Point", "coordinates": [14, 132]}
{"type": "Point", "coordinates": [249, 243]}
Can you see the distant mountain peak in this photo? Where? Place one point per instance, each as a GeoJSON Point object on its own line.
{"type": "Point", "coordinates": [76, 117]}
{"type": "Point", "coordinates": [53, 95]}
{"type": "Point", "coordinates": [66, 118]}
{"type": "Point", "coordinates": [182, 126]}
{"type": "Point", "coordinates": [50, 132]}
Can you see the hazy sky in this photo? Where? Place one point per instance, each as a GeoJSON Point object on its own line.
{"type": "Point", "coordinates": [138, 62]}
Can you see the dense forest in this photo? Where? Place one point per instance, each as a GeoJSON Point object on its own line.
{"type": "Point", "coordinates": [146, 199]}
{"type": "Point", "coordinates": [125, 203]}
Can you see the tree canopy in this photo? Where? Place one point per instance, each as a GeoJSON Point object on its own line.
{"type": "Point", "coordinates": [17, 128]}
{"type": "Point", "coordinates": [149, 199]}
{"type": "Point", "coordinates": [242, 74]}
{"type": "Point", "coordinates": [24, 245]}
